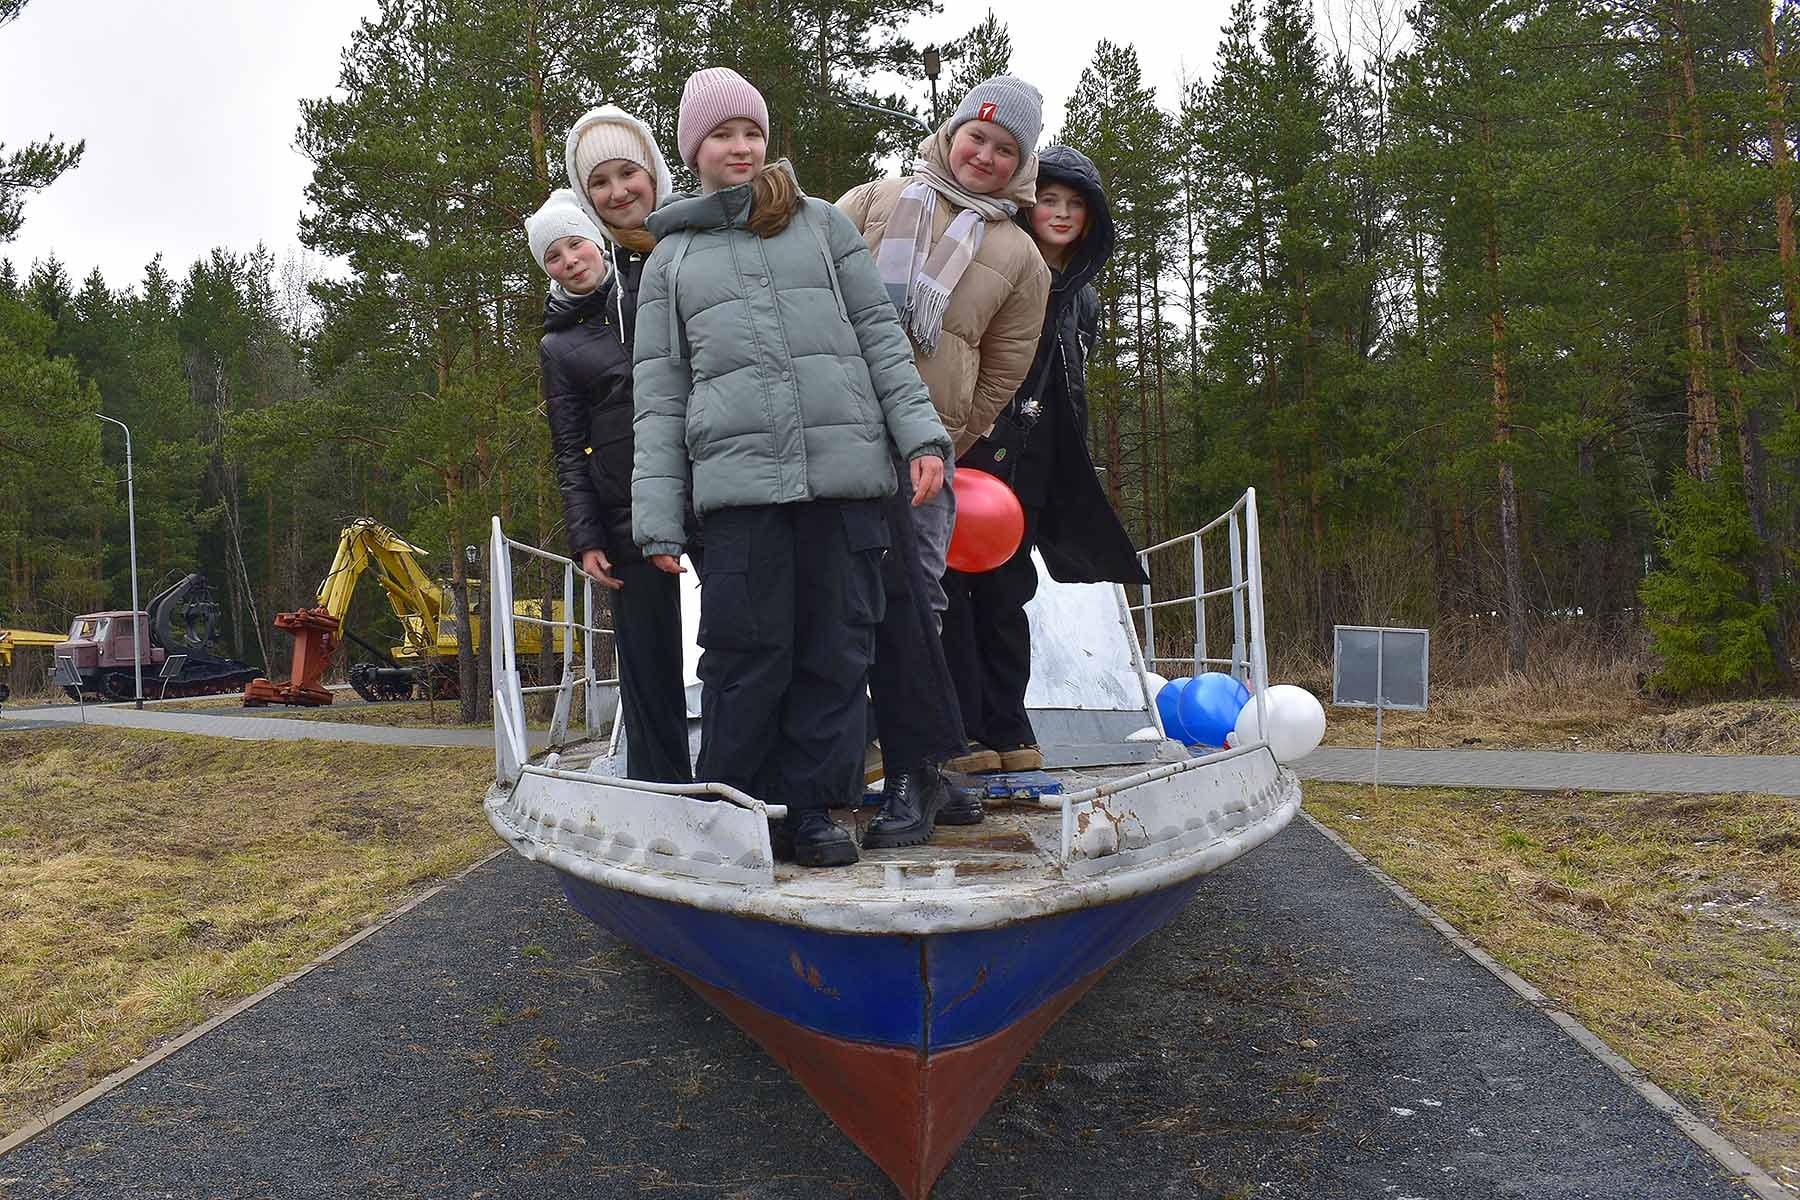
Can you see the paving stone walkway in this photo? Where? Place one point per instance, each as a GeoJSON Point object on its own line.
{"type": "Point", "coordinates": [237, 723]}
{"type": "Point", "coordinates": [1554, 770]}
{"type": "Point", "coordinates": [1528, 770]}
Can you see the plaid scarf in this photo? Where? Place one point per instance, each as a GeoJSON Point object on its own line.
{"type": "Point", "coordinates": [918, 276]}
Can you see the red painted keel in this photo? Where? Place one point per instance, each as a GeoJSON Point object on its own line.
{"type": "Point", "coordinates": [908, 1111]}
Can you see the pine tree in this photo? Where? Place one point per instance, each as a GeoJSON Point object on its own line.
{"type": "Point", "coordinates": [34, 166]}
{"type": "Point", "coordinates": [982, 53]}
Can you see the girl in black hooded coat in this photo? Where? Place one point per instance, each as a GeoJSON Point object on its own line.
{"type": "Point", "coordinates": [584, 360]}
{"type": "Point", "coordinates": [1039, 446]}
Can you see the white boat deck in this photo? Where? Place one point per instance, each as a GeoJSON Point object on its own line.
{"type": "Point", "coordinates": [1136, 813]}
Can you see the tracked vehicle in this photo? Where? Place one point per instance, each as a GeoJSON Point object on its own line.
{"type": "Point", "coordinates": [182, 620]}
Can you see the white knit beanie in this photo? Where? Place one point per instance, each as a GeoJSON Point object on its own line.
{"type": "Point", "coordinates": [603, 141]}
{"type": "Point", "coordinates": [713, 96]}
{"type": "Point", "coordinates": [560, 217]}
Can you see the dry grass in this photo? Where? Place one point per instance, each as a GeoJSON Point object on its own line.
{"type": "Point", "coordinates": [148, 881]}
{"type": "Point", "coordinates": [405, 714]}
{"type": "Point", "coordinates": [1669, 925]}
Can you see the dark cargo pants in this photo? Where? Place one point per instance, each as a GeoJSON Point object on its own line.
{"type": "Point", "coordinates": [987, 640]}
{"type": "Point", "coordinates": [790, 597]}
{"type": "Point", "coordinates": [647, 634]}
{"type": "Point", "coordinates": [910, 684]}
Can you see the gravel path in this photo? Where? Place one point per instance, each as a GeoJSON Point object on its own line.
{"type": "Point", "coordinates": [1297, 1032]}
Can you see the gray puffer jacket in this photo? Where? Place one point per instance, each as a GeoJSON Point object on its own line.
{"type": "Point", "coordinates": [766, 370]}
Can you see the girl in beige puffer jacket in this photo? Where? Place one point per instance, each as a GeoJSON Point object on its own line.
{"type": "Point", "coordinates": [970, 285]}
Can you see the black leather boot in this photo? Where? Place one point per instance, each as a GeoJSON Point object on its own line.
{"type": "Point", "coordinates": [910, 802]}
{"type": "Point", "coordinates": [813, 839]}
{"type": "Point", "coordinates": [964, 808]}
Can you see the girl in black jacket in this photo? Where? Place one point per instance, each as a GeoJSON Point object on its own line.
{"type": "Point", "coordinates": [1039, 446]}
{"type": "Point", "coordinates": [585, 365]}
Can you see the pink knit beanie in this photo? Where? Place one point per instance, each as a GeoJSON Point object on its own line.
{"type": "Point", "coordinates": [713, 96]}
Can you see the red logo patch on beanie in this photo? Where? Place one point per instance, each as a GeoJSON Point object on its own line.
{"type": "Point", "coordinates": [985, 112]}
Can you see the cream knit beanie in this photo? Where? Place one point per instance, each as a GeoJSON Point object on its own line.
{"type": "Point", "coordinates": [603, 141]}
{"type": "Point", "coordinates": [713, 96]}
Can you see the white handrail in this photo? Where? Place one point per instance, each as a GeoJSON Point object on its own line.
{"type": "Point", "coordinates": [511, 744]}
{"type": "Point", "coordinates": [1244, 591]}
{"type": "Point", "coordinates": [1249, 657]}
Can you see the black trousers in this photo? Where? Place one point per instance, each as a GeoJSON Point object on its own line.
{"type": "Point", "coordinates": [790, 597]}
{"type": "Point", "coordinates": [910, 685]}
{"type": "Point", "coordinates": [987, 640]}
{"type": "Point", "coordinates": [646, 616]}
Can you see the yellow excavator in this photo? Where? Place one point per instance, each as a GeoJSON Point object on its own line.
{"type": "Point", "coordinates": [424, 660]}
{"type": "Point", "coordinates": [12, 639]}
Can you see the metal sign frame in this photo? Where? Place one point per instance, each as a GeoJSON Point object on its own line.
{"type": "Point", "coordinates": [172, 666]}
{"type": "Point", "coordinates": [64, 674]}
{"type": "Point", "coordinates": [1381, 701]}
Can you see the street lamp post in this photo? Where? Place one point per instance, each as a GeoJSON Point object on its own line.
{"type": "Point", "coordinates": [137, 648]}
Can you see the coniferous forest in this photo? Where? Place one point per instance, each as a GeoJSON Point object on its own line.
{"type": "Point", "coordinates": [1493, 301]}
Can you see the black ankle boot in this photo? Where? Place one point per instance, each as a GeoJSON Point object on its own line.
{"type": "Point", "coordinates": [813, 839]}
{"type": "Point", "coordinates": [910, 802]}
{"type": "Point", "coordinates": [964, 808]}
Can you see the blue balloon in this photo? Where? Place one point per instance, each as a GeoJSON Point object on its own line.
{"type": "Point", "coordinates": [1209, 708]}
{"type": "Point", "coordinates": [1168, 704]}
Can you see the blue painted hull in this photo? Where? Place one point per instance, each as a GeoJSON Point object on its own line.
{"type": "Point", "coordinates": [926, 993]}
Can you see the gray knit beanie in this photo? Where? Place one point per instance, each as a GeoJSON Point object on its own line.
{"type": "Point", "coordinates": [1008, 102]}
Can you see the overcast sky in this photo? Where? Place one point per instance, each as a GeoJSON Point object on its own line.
{"type": "Point", "coordinates": [189, 108]}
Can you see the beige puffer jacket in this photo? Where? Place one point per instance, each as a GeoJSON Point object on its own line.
{"type": "Point", "coordinates": [996, 312]}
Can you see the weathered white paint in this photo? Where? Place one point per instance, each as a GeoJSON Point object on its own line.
{"type": "Point", "coordinates": [906, 892]}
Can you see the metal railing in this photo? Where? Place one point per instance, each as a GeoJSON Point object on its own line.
{"type": "Point", "coordinates": [1248, 660]}
{"type": "Point", "coordinates": [511, 744]}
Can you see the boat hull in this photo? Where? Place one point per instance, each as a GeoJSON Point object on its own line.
{"type": "Point", "coordinates": [903, 1040]}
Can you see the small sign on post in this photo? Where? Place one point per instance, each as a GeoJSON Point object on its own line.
{"type": "Point", "coordinates": [64, 675]}
{"type": "Point", "coordinates": [171, 668]}
{"type": "Point", "coordinates": [1376, 667]}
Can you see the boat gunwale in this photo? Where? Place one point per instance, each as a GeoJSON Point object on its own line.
{"type": "Point", "coordinates": [921, 911]}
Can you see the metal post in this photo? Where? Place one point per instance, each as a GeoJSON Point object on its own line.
{"type": "Point", "coordinates": [1258, 658]}
{"type": "Point", "coordinates": [1149, 614]}
{"type": "Point", "coordinates": [1199, 605]}
{"type": "Point", "coordinates": [1380, 647]}
{"type": "Point", "coordinates": [137, 647]}
{"type": "Point", "coordinates": [1240, 653]}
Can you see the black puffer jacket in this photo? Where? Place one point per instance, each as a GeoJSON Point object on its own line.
{"type": "Point", "coordinates": [585, 360]}
{"type": "Point", "coordinates": [1046, 461]}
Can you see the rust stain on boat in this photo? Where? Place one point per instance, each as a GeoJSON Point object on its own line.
{"type": "Point", "coordinates": [809, 974]}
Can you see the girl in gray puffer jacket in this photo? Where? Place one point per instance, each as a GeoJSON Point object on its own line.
{"type": "Point", "coordinates": [771, 379]}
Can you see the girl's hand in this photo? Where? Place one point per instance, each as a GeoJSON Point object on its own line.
{"type": "Point", "coordinates": [927, 478]}
{"type": "Point", "coordinates": [596, 566]}
{"type": "Point", "coordinates": [668, 563]}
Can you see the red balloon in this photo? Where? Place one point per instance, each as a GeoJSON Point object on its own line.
{"type": "Point", "coordinates": [989, 522]}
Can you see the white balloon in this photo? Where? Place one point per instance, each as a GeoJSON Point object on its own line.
{"type": "Point", "coordinates": [1296, 722]}
{"type": "Point", "coordinates": [1157, 684]}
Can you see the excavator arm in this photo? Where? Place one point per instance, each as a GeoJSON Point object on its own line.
{"type": "Point", "coordinates": [413, 596]}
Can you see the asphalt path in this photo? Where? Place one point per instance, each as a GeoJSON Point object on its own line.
{"type": "Point", "coordinates": [1297, 1032]}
